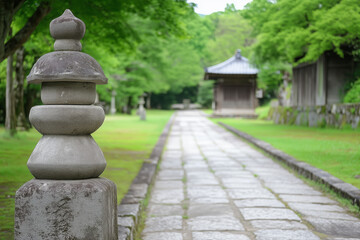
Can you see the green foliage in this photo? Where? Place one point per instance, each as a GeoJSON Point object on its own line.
{"type": "Point", "coordinates": [231, 32]}
{"type": "Point", "coordinates": [291, 32]}
{"type": "Point", "coordinates": [353, 95]}
{"type": "Point", "coordinates": [205, 95]}
{"type": "Point", "coordinates": [301, 30]}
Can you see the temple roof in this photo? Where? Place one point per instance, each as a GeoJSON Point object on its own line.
{"type": "Point", "coordinates": [236, 65]}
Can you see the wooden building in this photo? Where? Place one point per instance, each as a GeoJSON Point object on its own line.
{"type": "Point", "coordinates": [321, 82]}
{"type": "Point", "coordinates": [234, 88]}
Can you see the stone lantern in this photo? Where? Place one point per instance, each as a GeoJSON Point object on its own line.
{"type": "Point", "coordinates": [67, 199]}
{"type": "Point", "coordinates": [142, 111]}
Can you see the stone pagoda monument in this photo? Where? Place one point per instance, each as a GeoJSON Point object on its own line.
{"type": "Point", "coordinates": [67, 199]}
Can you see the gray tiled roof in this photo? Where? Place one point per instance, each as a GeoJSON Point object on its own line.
{"type": "Point", "coordinates": [237, 64]}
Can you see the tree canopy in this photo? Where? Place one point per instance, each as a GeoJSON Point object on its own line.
{"type": "Point", "coordinates": [291, 32]}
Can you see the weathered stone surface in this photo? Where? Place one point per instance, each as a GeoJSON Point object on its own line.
{"type": "Point", "coordinates": [316, 207]}
{"type": "Point", "coordinates": [163, 224]}
{"type": "Point", "coordinates": [157, 210]}
{"type": "Point", "coordinates": [60, 209]}
{"type": "Point", "coordinates": [168, 185]}
{"type": "Point", "coordinates": [170, 175]}
{"type": "Point", "coordinates": [172, 196]}
{"type": "Point", "coordinates": [345, 189]}
{"type": "Point", "coordinates": [285, 235]}
{"type": "Point", "coordinates": [268, 213]}
{"type": "Point", "coordinates": [294, 190]}
{"type": "Point", "coordinates": [163, 236]}
{"type": "Point", "coordinates": [68, 30]}
{"type": "Point", "coordinates": [202, 181]}
{"type": "Point", "coordinates": [213, 187]}
{"type": "Point", "coordinates": [307, 199]}
{"type": "Point", "coordinates": [75, 157]}
{"type": "Point", "coordinates": [277, 224]}
{"type": "Point", "coordinates": [68, 93]}
{"type": "Point", "coordinates": [200, 192]}
{"type": "Point", "coordinates": [66, 119]}
{"type": "Point", "coordinates": [146, 173]}
{"type": "Point", "coordinates": [66, 66]}
{"type": "Point", "coordinates": [124, 233]}
{"type": "Point", "coordinates": [250, 193]}
{"type": "Point", "coordinates": [214, 223]}
{"type": "Point", "coordinates": [259, 203]}
{"type": "Point", "coordinates": [196, 210]}
{"type": "Point", "coordinates": [328, 215]}
{"type": "Point", "coordinates": [218, 236]}
{"type": "Point", "coordinates": [129, 210]}
{"type": "Point", "coordinates": [126, 222]}
{"type": "Point", "coordinates": [336, 227]}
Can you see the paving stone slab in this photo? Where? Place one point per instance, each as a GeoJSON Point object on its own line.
{"type": "Point", "coordinates": [168, 184]}
{"type": "Point", "coordinates": [163, 224]}
{"type": "Point", "coordinates": [336, 227]}
{"type": "Point", "coordinates": [171, 196]}
{"type": "Point", "coordinates": [124, 233]}
{"type": "Point", "coordinates": [214, 223]}
{"type": "Point", "coordinates": [171, 164]}
{"type": "Point", "coordinates": [157, 210]}
{"type": "Point", "coordinates": [131, 210]}
{"type": "Point", "coordinates": [170, 174]}
{"type": "Point", "coordinates": [208, 200]}
{"type": "Point", "coordinates": [126, 221]}
{"type": "Point", "coordinates": [316, 207]}
{"type": "Point", "coordinates": [242, 185]}
{"type": "Point", "coordinates": [163, 236]}
{"type": "Point", "coordinates": [328, 215]}
{"type": "Point", "coordinates": [250, 193]}
{"type": "Point", "coordinates": [275, 234]}
{"type": "Point", "coordinates": [211, 192]}
{"type": "Point", "coordinates": [277, 224]}
{"type": "Point", "coordinates": [196, 210]}
{"type": "Point", "coordinates": [240, 180]}
{"type": "Point", "coordinates": [307, 199]}
{"type": "Point", "coordinates": [268, 213]}
{"type": "Point", "coordinates": [259, 203]}
{"type": "Point", "coordinates": [200, 181]}
{"type": "Point", "coordinates": [294, 190]}
{"type": "Point", "coordinates": [218, 236]}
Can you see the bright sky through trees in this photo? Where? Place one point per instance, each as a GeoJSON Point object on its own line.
{"type": "Point", "coordinates": [207, 7]}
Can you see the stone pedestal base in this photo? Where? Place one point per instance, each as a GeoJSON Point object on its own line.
{"type": "Point", "coordinates": [66, 209]}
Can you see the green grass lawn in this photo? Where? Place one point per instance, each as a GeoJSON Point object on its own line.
{"type": "Point", "coordinates": [336, 151]}
{"type": "Point", "coordinates": [125, 140]}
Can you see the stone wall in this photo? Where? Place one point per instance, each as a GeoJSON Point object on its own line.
{"type": "Point", "coordinates": [334, 115]}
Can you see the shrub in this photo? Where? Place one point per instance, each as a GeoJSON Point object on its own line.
{"type": "Point", "coordinates": [353, 95]}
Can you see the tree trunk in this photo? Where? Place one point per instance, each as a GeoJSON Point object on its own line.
{"type": "Point", "coordinates": [10, 118]}
{"type": "Point", "coordinates": [128, 105]}
{"type": "Point", "coordinates": [22, 123]}
{"type": "Point", "coordinates": [8, 8]}
{"type": "Point", "coordinates": [148, 101]}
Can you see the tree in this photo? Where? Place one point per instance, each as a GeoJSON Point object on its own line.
{"type": "Point", "coordinates": [289, 32]}
{"type": "Point", "coordinates": [8, 9]}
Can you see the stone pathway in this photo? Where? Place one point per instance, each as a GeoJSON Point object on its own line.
{"type": "Point", "coordinates": [213, 186]}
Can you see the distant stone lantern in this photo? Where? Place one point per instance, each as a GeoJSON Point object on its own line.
{"type": "Point", "coordinates": [142, 111]}
{"type": "Point", "coordinates": [66, 200]}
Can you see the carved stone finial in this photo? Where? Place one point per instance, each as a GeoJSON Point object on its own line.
{"type": "Point", "coordinates": [67, 30]}
{"type": "Point", "coordinates": [238, 54]}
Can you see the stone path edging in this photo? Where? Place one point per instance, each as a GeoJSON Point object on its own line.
{"type": "Point", "coordinates": [130, 207]}
{"type": "Point", "coordinates": [344, 189]}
